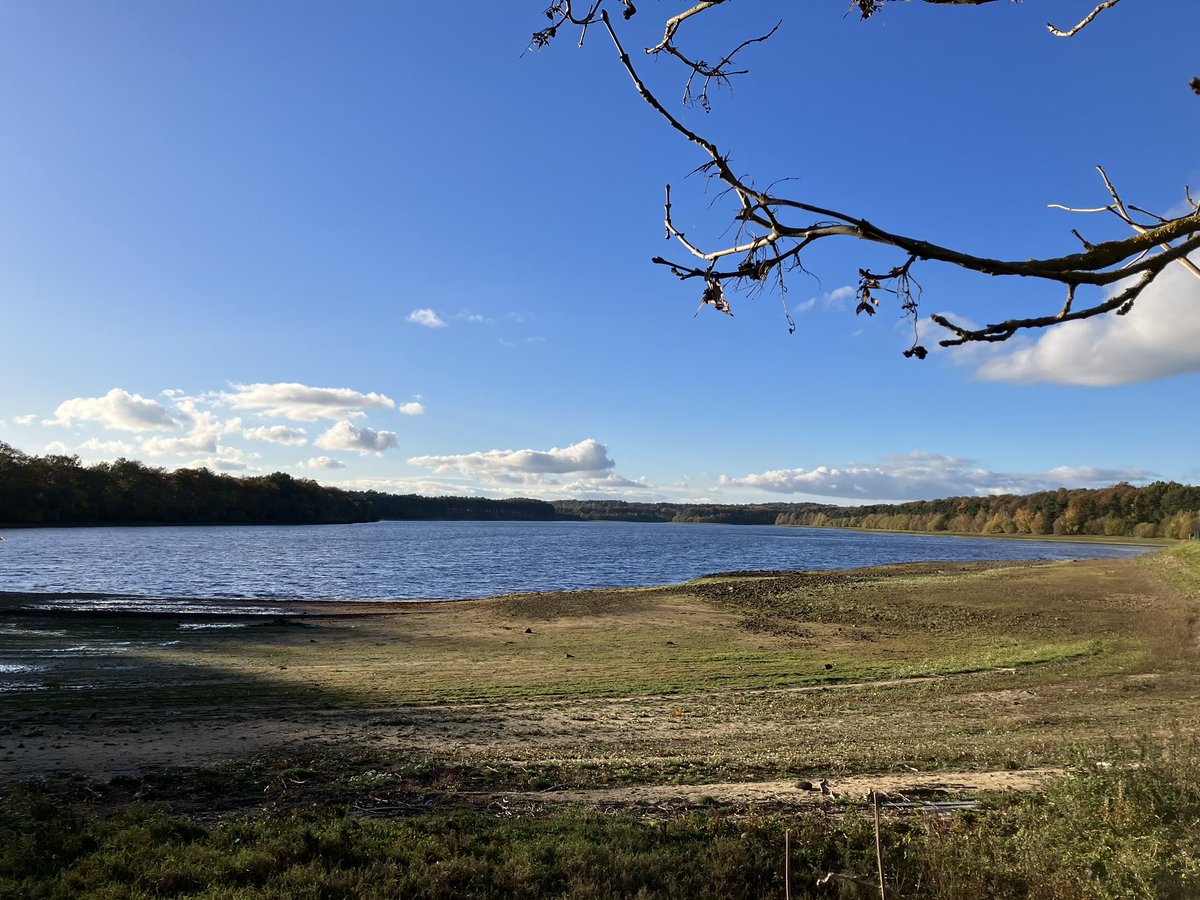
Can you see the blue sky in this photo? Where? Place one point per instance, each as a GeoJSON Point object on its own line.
{"type": "Point", "coordinates": [376, 245]}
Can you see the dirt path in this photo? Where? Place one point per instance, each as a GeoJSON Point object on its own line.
{"type": "Point", "coordinates": [898, 787]}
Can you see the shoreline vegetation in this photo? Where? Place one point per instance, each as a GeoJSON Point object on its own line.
{"type": "Point", "coordinates": [41, 491]}
{"type": "Point", "coordinates": [1031, 728]}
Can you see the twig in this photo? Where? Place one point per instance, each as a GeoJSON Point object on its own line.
{"type": "Point", "coordinates": [771, 230]}
{"type": "Point", "coordinates": [1085, 22]}
{"type": "Point", "coordinates": [1121, 210]}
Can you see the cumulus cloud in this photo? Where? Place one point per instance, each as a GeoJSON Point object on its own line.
{"type": "Point", "coordinates": [1158, 339]}
{"type": "Point", "coordinates": [290, 400]}
{"type": "Point", "coordinates": [219, 464]}
{"type": "Point", "coordinates": [25, 420]}
{"type": "Point", "coordinates": [588, 457]}
{"type": "Point", "coordinates": [115, 448]}
{"type": "Point", "coordinates": [427, 318]}
{"type": "Point", "coordinates": [58, 448]}
{"type": "Point", "coordinates": [411, 409]}
{"type": "Point", "coordinates": [345, 436]}
{"type": "Point", "coordinates": [524, 342]}
{"type": "Point", "coordinates": [196, 442]}
{"type": "Point", "coordinates": [204, 433]}
{"type": "Point", "coordinates": [322, 462]}
{"type": "Point", "coordinates": [835, 299]}
{"type": "Point", "coordinates": [425, 487]}
{"type": "Point", "coordinates": [118, 410]}
{"type": "Point", "coordinates": [277, 434]}
{"type": "Point", "coordinates": [610, 486]}
{"type": "Point", "coordinates": [924, 476]}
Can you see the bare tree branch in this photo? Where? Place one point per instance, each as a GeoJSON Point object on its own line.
{"type": "Point", "coordinates": [773, 230]}
{"type": "Point", "coordinates": [675, 21]}
{"type": "Point", "coordinates": [1084, 22]}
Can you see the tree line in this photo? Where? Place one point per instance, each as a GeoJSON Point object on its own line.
{"type": "Point", "coordinates": [59, 490]}
{"type": "Point", "coordinates": [697, 513]}
{"type": "Point", "coordinates": [1164, 509]}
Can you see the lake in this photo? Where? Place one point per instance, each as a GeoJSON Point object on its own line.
{"type": "Point", "coordinates": [456, 560]}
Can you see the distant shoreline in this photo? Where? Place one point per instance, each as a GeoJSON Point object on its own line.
{"type": "Point", "coordinates": [1052, 538]}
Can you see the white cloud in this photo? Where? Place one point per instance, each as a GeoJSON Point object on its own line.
{"type": "Point", "coordinates": [412, 409]}
{"type": "Point", "coordinates": [58, 448]}
{"type": "Point", "coordinates": [835, 299]}
{"type": "Point", "coordinates": [277, 434]}
{"type": "Point", "coordinates": [322, 462]}
{"type": "Point", "coordinates": [225, 459]}
{"type": "Point", "coordinates": [117, 409]}
{"type": "Point", "coordinates": [426, 317]}
{"type": "Point", "coordinates": [524, 342]}
{"type": "Point", "coordinates": [606, 486]}
{"type": "Point", "coordinates": [587, 457]}
{"type": "Point", "coordinates": [25, 420]}
{"type": "Point", "coordinates": [218, 464]}
{"type": "Point", "coordinates": [1158, 339]}
{"type": "Point", "coordinates": [610, 486]}
{"type": "Point", "coordinates": [115, 448]}
{"type": "Point", "coordinates": [422, 486]}
{"type": "Point", "coordinates": [290, 400]}
{"type": "Point", "coordinates": [204, 434]}
{"type": "Point", "coordinates": [345, 436]}
{"type": "Point", "coordinates": [924, 476]}
{"type": "Point", "coordinates": [196, 442]}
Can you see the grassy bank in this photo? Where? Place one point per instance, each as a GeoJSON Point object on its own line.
{"type": "Point", "coordinates": [1101, 832]}
{"type": "Point", "coordinates": [649, 742]}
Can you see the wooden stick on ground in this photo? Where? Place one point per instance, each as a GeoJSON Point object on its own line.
{"type": "Point", "coordinates": [787, 864]}
{"type": "Point", "coordinates": [878, 847]}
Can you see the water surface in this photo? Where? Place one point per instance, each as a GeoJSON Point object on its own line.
{"type": "Point", "coordinates": [456, 560]}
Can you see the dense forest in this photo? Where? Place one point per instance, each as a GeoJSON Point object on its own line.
{"type": "Point", "coordinates": [703, 513]}
{"type": "Point", "coordinates": [1164, 509]}
{"type": "Point", "coordinates": [53, 490]}
{"type": "Point", "coordinates": [412, 506]}
{"type": "Point", "coordinates": [1159, 510]}
{"type": "Point", "coordinates": [59, 490]}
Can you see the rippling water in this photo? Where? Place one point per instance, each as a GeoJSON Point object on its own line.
{"type": "Point", "coordinates": [423, 560]}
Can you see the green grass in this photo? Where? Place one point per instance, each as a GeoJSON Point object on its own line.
{"type": "Point", "coordinates": [458, 708]}
{"type": "Point", "coordinates": [1129, 831]}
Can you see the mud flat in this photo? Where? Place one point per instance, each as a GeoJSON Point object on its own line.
{"type": "Point", "coordinates": [740, 676]}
